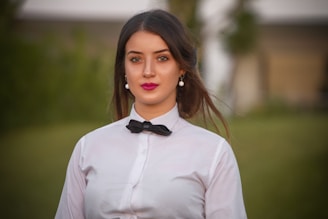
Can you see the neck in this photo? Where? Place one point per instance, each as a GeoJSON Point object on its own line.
{"type": "Point", "coordinates": [149, 112]}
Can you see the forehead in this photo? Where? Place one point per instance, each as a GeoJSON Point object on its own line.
{"type": "Point", "coordinates": [145, 40]}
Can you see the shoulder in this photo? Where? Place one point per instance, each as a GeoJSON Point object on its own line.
{"type": "Point", "coordinates": [108, 131]}
{"type": "Point", "coordinates": [199, 135]}
{"type": "Point", "coordinates": [99, 139]}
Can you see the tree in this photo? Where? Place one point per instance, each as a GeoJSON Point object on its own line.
{"type": "Point", "coordinates": [186, 11]}
{"type": "Point", "coordinates": [241, 36]}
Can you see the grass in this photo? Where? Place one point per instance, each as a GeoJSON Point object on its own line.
{"type": "Point", "coordinates": [283, 162]}
{"type": "Point", "coordinates": [33, 168]}
{"type": "Point", "coordinates": [282, 158]}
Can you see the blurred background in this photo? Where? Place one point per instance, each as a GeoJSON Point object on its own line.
{"type": "Point", "coordinates": [266, 60]}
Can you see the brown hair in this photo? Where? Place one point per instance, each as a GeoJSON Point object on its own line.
{"type": "Point", "coordinates": [193, 97]}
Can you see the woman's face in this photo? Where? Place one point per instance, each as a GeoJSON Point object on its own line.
{"type": "Point", "coordinates": [152, 73]}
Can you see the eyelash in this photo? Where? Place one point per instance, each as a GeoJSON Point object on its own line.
{"type": "Point", "coordinates": [162, 58]}
{"type": "Point", "coordinates": [135, 59]}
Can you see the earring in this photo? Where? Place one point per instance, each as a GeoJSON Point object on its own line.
{"type": "Point", "coordinates": [181, 82]}
{"type": "Point", "coordinates": [126, 85]}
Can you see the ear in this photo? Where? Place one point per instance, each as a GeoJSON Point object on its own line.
{"type": "Point", "coordinates": [182, 72]}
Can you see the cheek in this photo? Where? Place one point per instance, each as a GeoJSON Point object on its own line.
{"type": "Point", "coordinates": [130, 72]}
{"type": "Point", "coordinates": [175, 74]}
{"type": "Point", "coordinates": [175, 78]}
{"type": "Point", "coordinates": [169, 69]}
{"type": "Point", "coordinates": [127, 68]}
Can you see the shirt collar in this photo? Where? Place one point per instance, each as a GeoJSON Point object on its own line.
{"type": "Point", "coordinates": [168, 119]}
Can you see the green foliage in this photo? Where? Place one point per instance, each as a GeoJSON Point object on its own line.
{"type": "Point", "coordinates": [186, 11]}
{"type": "Point", "coordinates": [47, 81]}
{"type": "Point", "coordinates": [8, 9]}
{"type": "Point", "coordinates": [242, 35]}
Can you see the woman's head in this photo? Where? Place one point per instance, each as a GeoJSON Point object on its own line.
{"type": "Point", "coordinates": [193, 96]}
{"type": "Point", "coordinates": [152, 74]}
{"type": "Point", "coordinates": [170, 29]}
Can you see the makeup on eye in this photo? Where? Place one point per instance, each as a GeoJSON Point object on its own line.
{"type": "Point", "coordinates": [160, 55]}
{"type": "Point", "coordinates": [135, 59]}
{"type": "Point", "coordinates": [160, 58]}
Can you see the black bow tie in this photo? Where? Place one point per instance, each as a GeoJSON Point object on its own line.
{"type": "Point", "coordinates": [137, 127]}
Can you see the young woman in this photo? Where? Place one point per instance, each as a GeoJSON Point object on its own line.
{"type": "Point", "coordinates": [151, 162]}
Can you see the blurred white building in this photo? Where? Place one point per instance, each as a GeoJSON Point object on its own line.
{"type": "Point", "coordinates": [86, 9]}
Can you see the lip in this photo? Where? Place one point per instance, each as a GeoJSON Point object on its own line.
{"type": "Point", "coordinates": [149, 86]}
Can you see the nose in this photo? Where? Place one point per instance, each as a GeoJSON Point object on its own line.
{"type": "Point", "coordinates": [148, 69]}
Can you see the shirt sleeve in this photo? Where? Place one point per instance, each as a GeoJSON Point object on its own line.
{"type": "Point", "coordinates": [71, 204]}
{"type": "Point", "coordinates": [224, 198]}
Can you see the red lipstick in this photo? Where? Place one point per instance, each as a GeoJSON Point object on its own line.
{"type": "Point", "coordinates": [149, 86]}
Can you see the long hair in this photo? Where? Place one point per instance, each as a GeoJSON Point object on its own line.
{"type": "Point", "coordinates": [193, 96]}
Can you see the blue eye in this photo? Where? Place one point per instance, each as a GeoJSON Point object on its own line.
{"type": "Point", "coordinates": [162, 58]}
{"type": "Point", "coordinates": [134, 59]}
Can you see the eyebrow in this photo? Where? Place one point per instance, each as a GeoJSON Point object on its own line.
{"type": "Point", "coordinates": [158, 51]}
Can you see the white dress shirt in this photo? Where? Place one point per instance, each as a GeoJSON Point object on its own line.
{"type": "Point", "coordinates": [116, 174]}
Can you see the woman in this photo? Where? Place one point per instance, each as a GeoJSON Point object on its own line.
{"type": "Point", "coordinates": [151, 162]}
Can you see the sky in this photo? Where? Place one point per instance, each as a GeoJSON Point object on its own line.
{"type": "Point", "coordinates": [269, 10]}
{"type": "Point", "coordinates": [91, 9]}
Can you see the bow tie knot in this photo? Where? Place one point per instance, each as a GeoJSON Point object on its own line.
{"type": "Point", "coordinates": [136, 127]}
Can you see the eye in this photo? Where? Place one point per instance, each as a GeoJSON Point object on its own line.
{"type": "Point", "coordinates": [135, 59]}
{"type": "Point", "coordinates": [162, 58]}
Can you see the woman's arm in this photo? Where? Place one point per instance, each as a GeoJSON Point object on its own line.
{"type": "Point", "coordinates": [71, 205]}
{"type": "Point", "coordinates": [224, 198]}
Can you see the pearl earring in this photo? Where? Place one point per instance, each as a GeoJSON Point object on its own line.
{"type": "Point", "coordinates": [181, 82]}
{"type": "Point", "coordinates": [126, 85]}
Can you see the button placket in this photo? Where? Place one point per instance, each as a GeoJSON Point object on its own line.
{"type": "Point", "coordinates": [139, 165]}
{"type": "Point", "coordinates": [140, 159]}
{"type": "Point", "coordinates": [136, 170]}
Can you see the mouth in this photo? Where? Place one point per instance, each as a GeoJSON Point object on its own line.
{"type": "Point", "coordinates": [149, 86]}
